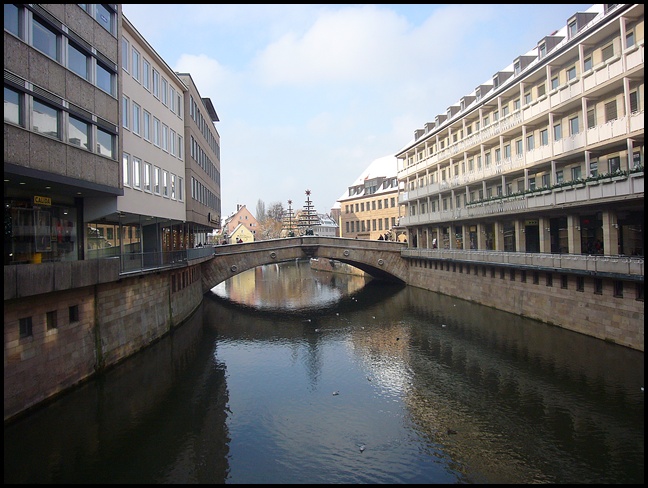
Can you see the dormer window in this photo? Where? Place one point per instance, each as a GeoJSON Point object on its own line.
{"type": "Point", "coordinates": [517, 68]}
{"type": "Point", "coordinates": [542, 50]}
{"type": "Point", "coordinates": [572, 29]}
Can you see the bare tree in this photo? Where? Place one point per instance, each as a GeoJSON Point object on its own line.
{"type": "Point", "coordinates": [260, 210]}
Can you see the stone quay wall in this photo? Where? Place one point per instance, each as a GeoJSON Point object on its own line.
{"type": "Point", "coordinates": [553, 298]}
{"type": "Point", "coordinates": [57, 340]}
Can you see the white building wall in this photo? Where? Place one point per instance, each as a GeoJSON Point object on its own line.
{"type": "Point", "coordinates": [138, 197]}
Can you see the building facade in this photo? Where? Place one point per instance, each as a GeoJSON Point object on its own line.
{"type": "Point", "coordinates": [369, 209]}
{"type": "Point", "coordinates": [545, 157]}
{"type": "Point", "coordinates": [108, 151]}
{"type": "Point", "coordinates": [203, 168]}
{"type": "Point", "coordinates": [62, 115]}
{"type": "Point", "coordinates": [241, 216]}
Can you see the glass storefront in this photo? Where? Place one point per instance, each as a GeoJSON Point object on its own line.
{"type": "Point", "coordinates": [38, 231]}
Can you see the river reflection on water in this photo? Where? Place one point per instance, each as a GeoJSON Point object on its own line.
{"type": "Point", "coordinates": [291, 376]}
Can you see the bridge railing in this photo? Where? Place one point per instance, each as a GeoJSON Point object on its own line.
{"type": "Point", "coordinates": [627, 267]}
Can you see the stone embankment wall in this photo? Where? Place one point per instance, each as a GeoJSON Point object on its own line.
{"type": "Point", "coordinates": [605, 314]}
{"type": "Point", "coordinates": [82, 331]}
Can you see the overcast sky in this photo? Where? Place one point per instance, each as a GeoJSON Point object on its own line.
{"type": "Point", "coordinates": [309, 95]}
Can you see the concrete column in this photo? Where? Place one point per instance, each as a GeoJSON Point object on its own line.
{"type": "Point", "coordinates": [610, 234]}
{"type": "Point", "coordinates": [520, 238]}
{"type": "Point", "coordinates": [545, 234]}
{"type": "Point", "coordinates": [499, 236]}
{"type": "Point", "coordinates": [573, 234]}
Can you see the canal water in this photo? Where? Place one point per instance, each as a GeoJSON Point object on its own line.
{"type": "Point", "coordinates": [289, 375]}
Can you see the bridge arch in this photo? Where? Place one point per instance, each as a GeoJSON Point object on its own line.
{"type": "Point", "coordinates": [380, 259]}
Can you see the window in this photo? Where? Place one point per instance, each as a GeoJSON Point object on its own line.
{"type": "Point", "coordinates": [172, 142]}
{"type": "Point", "coordinates": [156, 83]}
{"type": "Point", "coordinates": [630, 39]}
{"type": "Point", "coordinates": [125, 112]}
{"type": "Point", "coordinates": [516, 105]}
{"type": "Point", "coordinates": [156, 131]}
{"type": "Point", "coordinates": [610, 111]}
{"type": "Point", "coordinates": [172, 98]}
{"type": "Point", "coordinates": [541, 90]}
{"type": "Point", "coordinates": [105, 17]}
{"type": "Point", "coordinates": [146, 183]}
{"type": "Point", "coordinates": [505, 111]}
{"type": "Point", "coordinates": [78, 131]}
{"type": "Point", "coordinates": [545, 181]}
{"type": "Point", "coordinates": [45, 119]}
{"type": "Point", "coordinates": [530, 143]}
{"type": "Point", "coordinates": [571, 73]}
{"type": "Point", "coordinates": [147, 125]}
{"type": "Point", "coordinates": [591, 118]}
{"type": "Point", "coordinates": [573, 126]}
{"type": "Point", "coordinates": [180, 193]}
{"type": "Point", "coordinates": [165, 137]}
{"type": "Point", "coordinates": [542, 50]}
{"type": "Point", "coordinates": [164, 91]}
{"type": "Point", "coordinates": [507, 151]}
{"type": "Point", "coordinates": [77, 61]}
{"type": "Point", "coordinates": [73, 313]}
{"type": "Point", "coordinates": [498, 155]}
{"type": "Point", "coordinates": [135, 60]}
{"type": "Point", "coordinates": [136, 118]}
{"type": "Point", "coordinates": [557, 132]}
{"type": "Point", "coordinates": [598, 286]}
{"type": "Point", "coordinates": [560, 177]}
{"type": "Point", "coordinates": [12, 104]}
{"type": "Point", "coordinates": [50, 320]}
{"type": "Point", "coordinates": [157, 180]}
{"type": "Point", "coordinates": [527, 98]}
{"type": "Point", "coordinates": [572, 28]}
{"type": "Point", "coordinates": [634, 102]}
{"type": "Point", "coordinates": [555, 82]}
{"type": "Point", "coordinates": [518, 147]}
{"type": "Point", "coordinates": [45, 40]}
{"type": "Point", "coordinates": [146, 74]}
{"type": "Point", "coordinates": [544, 137]}
{"type": "Point", "coordinates": [549, 279]}
{"type": "Point", "coordinates": [564, 281]}
{"type": "Point", "coordinates": [180, 148]}
{"type": "Point", "coordinates": [593, 168]}
{"type": "Point", "coordinates": [165, 183]}
{"type": "Point", "coordinates": [25, 326]}
{"type": "Point", "coordinates": [126, 169]}
{"type": "Point", "coordinates": [105, 143]}
{"type": "Point", "coordinates": [614, 164]}
{"type": "Point", "coordinates": [137, 172]}
{"type": "Point", "coordinates": [587, 63]}
{"type": "Point", "coordinates": [173, 186]}
{"type": "Point", "coordinates": [576, 173]}
{"type": "Point", "coordinates": [580, 283]}
{"type": "Point", "coordinates": [607, 52]}
{"type": "Point", "coordinates": [105, 79]}
{"type": "Point", "coordinates": [125, 52]}
{"type": "Point", "coordinates": [12, 19]}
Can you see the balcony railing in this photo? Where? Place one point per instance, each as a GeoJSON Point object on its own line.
{"type": "Point", "coordinates": [620, 266]}
{"type": "Point", "coordinates": [618, 184]}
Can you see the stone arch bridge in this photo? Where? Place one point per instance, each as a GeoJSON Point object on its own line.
{"type": "Point", "coordinates": [380, 259]}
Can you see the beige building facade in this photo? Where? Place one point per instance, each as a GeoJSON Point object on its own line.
{"type": "Point", "coordinates": [545, 157]}
{"type": "Point", "coordinates": [369, 209]}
